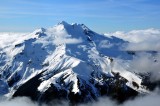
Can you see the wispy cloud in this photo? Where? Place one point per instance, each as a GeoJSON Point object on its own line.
{"type": "Point", "coordinates": [57, 8]}
{"type": "Point", "coordinates": [115, 13]}
{"type": "Point", "coordinates": [105, 7]}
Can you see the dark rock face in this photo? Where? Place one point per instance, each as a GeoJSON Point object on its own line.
{"type": "Point", "coordinates": [29, 88]}
{"type": "Point", "coordinates": [110, 86]}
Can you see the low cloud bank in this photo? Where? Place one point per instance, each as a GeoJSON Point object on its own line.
{"type": "Point", "coordinates": [148, 100]}
{"type": "Point", "coordinates": [8, 38]}
{"type": "Point", "coordinates": [137, 36]}
{"type": "Point", "coordinates": [147, 62]}
{"type": "Point", "coordinates": [144, 46]}
{"type": "Point", "coordinates": [19, 101]}
{"type": "Point", "coordinates": [140, 40]}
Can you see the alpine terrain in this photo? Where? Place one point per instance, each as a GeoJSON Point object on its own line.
{"type": "Point", "coordinates": [67, 62]}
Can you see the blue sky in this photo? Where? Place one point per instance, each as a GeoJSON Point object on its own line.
{"type": "Point", "coordinates": [99, 15]}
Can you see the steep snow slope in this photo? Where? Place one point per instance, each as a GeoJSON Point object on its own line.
{"type": "Point", "coordinates": [69, 59]}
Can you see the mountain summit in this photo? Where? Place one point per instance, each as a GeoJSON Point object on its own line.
{"type": "Point", "coordinates": [67, 61]}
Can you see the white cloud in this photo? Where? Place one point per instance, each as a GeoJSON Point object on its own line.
{"type": "Point", "coordinates": [25, 101]}
{"type": "Point", "coordinates": [146, 62]}
{"type": "Point", "coordinates": [140, 40]}
{"type": "Point", "coordinates": [144, 46]}
{"type": "Point", "coordinates": [8, 38]}
{"type": "Point", "coordinates": [21, 101]}
{"type": "Point", "coordinates": [137, 36]}
{"type": "Point", "coordinates": [105, 101]}
{"type": "Point", "coordinates": [148, 100]}
{"type": "Point", "coordinates": [105, 44]}
{"type": "Point", "coordinates": [58, 35]}
{"type": "Point", "coordinates": [67, 40]}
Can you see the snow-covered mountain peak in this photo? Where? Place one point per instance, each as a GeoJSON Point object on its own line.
{"type": "Point", "coordinates": [63, 23]}
{"type": "Point", "coordinates": [69, 59]}
{"type": "Point", "coordinates": [75, 27]}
